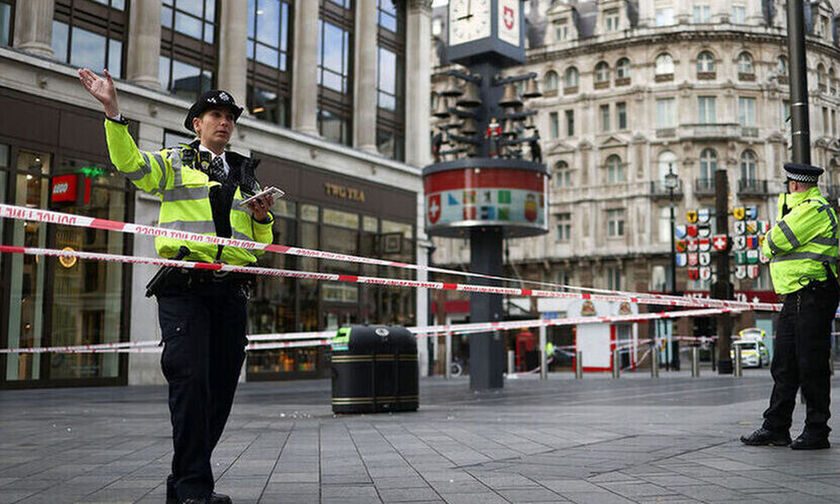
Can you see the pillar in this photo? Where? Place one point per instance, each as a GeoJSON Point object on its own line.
{"type": "Point", "coordinates": [418, 91]}
{"type": "Point", "coordinates": [364, 85]}
{"type": "Point", "coordinates": [143, 66]}
{"type": "Point", "coordinates": [233, 60]}
{"type": "Point", "coordinates": [305, 68]}
{"type": "Point", "coordinates": [33, 27]}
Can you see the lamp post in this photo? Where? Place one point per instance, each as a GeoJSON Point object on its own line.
{"type": "Point", "coordinates": [671, 183]}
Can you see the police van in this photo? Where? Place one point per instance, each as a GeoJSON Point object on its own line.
{"type": "Point", "coordinates": [754, 352]}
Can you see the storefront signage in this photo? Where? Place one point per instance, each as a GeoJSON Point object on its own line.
{"type": "Point", "coordinates": [344, 192]}
{"type": "Point", "coordinates": [70, 189]}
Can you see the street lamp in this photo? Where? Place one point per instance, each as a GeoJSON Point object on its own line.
{"type": "Point", "coordinates": [672, 181]}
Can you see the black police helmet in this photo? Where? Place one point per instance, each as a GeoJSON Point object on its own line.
{"type": "Point", "coordinates": [801, 172]}
{"type": "Point", "coordinates": [215, 98]}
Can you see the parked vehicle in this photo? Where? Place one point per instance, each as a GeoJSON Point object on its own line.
{"type": "Point", "coordinates": [753, 353]}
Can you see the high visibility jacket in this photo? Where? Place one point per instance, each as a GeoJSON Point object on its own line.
{"type": "Point", "coordinates": [804, 237]}
{"type": "Point", "coordinates": [184, 192]}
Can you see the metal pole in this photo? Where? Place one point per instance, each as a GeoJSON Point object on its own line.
{"type": "Point", "coordinates": [578, 365]}
{"type": "Point", "coordinates": [695, 362]}
{"type": "Point", "coordinates": [722, 288]}
{"type": "Point", "coordinates": [511, 362]}
{"type": "Point", "coordinates": [616, 365]}
{"type": "Point", "coordinates": [800, 127]}
{"type": "Point", "coordinates": [654, 360]}
{"type": "Point", "coordinates": [448, 371]}
{"type": "Point", "coordinates": [673, 239]}
{"type": "Point", "coordinates": [738, 370]}
{"type": "Point", "coordinates": [543, 355]}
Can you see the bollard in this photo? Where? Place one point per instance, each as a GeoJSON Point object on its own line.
{"type": "Point", "coordinates": [543, 355]}
{"type": "Point", "coordinates": [616, 363]}
{"type": "Point", "coordinates": [511, 362]}
{"type": "Point", "coordinates": [737, 368]}
{"type": "Point", "coordinates": [695, 362]}
{"type": "Point", "coordinates": [448, 373]}
{"type": "Point", "coordinates": [578, 365]}
{"type": "Point", "coordinates": [654, 361]}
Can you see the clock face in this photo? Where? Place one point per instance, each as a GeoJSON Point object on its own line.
{"type": "Point", "coordinates": [468, 20]}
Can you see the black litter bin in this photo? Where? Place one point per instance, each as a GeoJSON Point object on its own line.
{"type": "Point", "coordinates": [374, 370]}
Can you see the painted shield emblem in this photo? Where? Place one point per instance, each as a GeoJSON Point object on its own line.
{"type": "Point", "coordinates": [752, 256]}
{"type": "Point", "coordinates": [739, 213]}
{"type": "Point", "coordinates": [753, 271]}
{"type": "Point", "coordinates": [752, 212]}
{"type": "Point", "coordinates": [752, 242]}
{"type": "Point", "coordinates": [704, 244]}
{"type": "Point", "coordinates": [691, 230]}
{"type": "Point", "coordinates": [693, 273]}
{"type": "Point", "coordinates": [752, 227]}
{"type": "Point", "coordinates": [740, 242]}
{"type": "Point", "coordinates": [763, 259]}
{"type": "Point", "coordinates": [704, 230]}
{"type": "Point", "coordinates": [740, 272]}
{"type": "Point", "coordinates": [740, 227]}
{"type": "Point", "coordinates": [719, 242]}
{"type": "Point", "coordinates": [703, 215]}
{"type": "Point", "coordinates": [692, 245]}
{"type": "Point", "coordinates": [705, 258]}
{"type": "Point", "coordinates": [680, 245]}
{"type": "Point", "coordinates": [705, 273]}
{"type": "Point", "coordinates": [681, 260]}
{"type": "Point", "coordinates": [434, 208]}
{"type": "Point", "coordinates": [740, 257]}
{"type": "Point", "coordinates": [680, 232]}
{"type": "Point", "coordinates": [691, 216]}
{"type": "Point", "coordinates": [693, 259]}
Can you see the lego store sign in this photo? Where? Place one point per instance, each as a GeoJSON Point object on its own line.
{"type": "Point", "coordinates": [70, 190]}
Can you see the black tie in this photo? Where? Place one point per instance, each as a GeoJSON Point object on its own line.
{"type": "Point", "coordinates": [217, 170]}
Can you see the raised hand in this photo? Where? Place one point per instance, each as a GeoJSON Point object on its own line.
{"type": "Point", "coordinates": [101, 89]}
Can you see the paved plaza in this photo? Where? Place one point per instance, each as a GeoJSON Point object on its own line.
{"type": "Point", "coordinates": [596, 440]}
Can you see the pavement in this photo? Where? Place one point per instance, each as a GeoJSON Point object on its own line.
{"type": "Point", "coordinates": [597, 440]}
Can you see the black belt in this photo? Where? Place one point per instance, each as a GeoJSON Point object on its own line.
{"type": "Point", "coordinates": [214, 276]}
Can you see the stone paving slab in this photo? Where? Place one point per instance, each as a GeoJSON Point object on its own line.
{"type": "Point", "coordinates": [636, 440]}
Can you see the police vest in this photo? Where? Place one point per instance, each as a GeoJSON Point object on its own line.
{"type": "Point", "coordinates": [184, 192]}
{"type": "Point", "coordinates": [801, 241]}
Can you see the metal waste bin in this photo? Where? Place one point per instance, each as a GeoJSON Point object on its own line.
{"type": "Point", "coordinates": [374, 370]}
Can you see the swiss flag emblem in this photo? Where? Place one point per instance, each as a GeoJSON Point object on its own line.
{"type": "Point", "coordinates": [434, 208]}
{"type": "Point", "coordinates": [509, 18]}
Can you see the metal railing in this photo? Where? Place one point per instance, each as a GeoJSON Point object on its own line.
{"type": "Point", "coordinates": [753, 186]}
{"type": "Point", "coordinates": [659, 190]}
{"type": "Point", "coordinates": [704, 186]}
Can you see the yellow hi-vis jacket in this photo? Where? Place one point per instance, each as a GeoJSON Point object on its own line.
{"type": "Point", "coordinates": [184, 192]}
{"type": "Point", "coordinates": [801, 241]}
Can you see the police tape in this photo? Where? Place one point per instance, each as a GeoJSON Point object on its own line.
{"type": "Point", "coordinates": [53, 217]}
{"type": "Point", "coordinates": [262, 271]}
{"type": "Point", "coordinates": [314, 339]}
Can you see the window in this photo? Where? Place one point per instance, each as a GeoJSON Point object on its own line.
{"type": "Point", "coordinates": [746, 111]}
{"type": "Point", "coordinates": [821, 77]}
{"type": "Point", "coordinates": [665, 117]}
{"type": "Point", "coordinates": [664, 65]}
{"type": "Point", "coordinates": [553, 125]}
{"type": "Point", "coordinates": [708, 164]}
{"type": "Point", "coordinates": [570, 123]}
{"type": "Point", "coordinates": [335, 90]}
{"type": "Point", "coordinates": [551, 81]}
{"type": "Point", "coordinates": [615, 223]}
{"type": "Point", "coordinates": [564, 226]}
{"type": "Point", "coordinates": [825, 120]}
{"type": "Point", "coordinates": [745, 63]}
{"type": "Point", "coordinates": [739, 14]}
{"type": "Point", "coordinates": [665, 225]}
{"type": "Point", "coordinates": [664, 16]}
{"type": "Point", "coordinates": [702, 14]}
{"type": "Point", "coordinates": [269, 80]}
{"type": "Point", "coordinates": [572, 77]}
{"type": "Point", "coordinates": [605, 118]}
{"type": "Point", "coordinates": [621, 115]}
{"type": "Point", "coordinates": [782, 66]}
{"type": "Point", "coordinates": [562, 174]}
{"type": "Point", "coordinates": [785, 114]}
{"type": "Point", "coordinates": [561, 29]}
{"type": "Point", "coordinates": [705, 62]}
{"type": "Point", "coordinates": [622, 69]}
{"type": "Point", "coordinates": [602, 72]}
{"type": "Point", "coordinates": [748, 163]}
{"type": "Point", "coordinates": [187, 48]}
{"type": "Point", "coordinates": [390, 115]}
{"type": "Point", "coordinates": [564, 277]}
{"type": "Point", "coordinates": [614, 278]}
{"type": "Point", "coordinates": [615, 170]}
{"type": "Point", "coordinates": [6, 23]}
{"type": "Point", "coordinates": [706, 110]}
{"type": "Point", "coordinates": [611, 20]}
{"type": "Point", "coordinates": [86, 34]}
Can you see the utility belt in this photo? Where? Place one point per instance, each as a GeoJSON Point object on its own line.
{"type": "Point", "coordinates": [171, 279]}
{"type": "Point", "coordinates": [830, 283]}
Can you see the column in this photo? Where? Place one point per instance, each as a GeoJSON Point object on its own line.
{"type": "Point", "coordinates": [364, 85]}
{"type": "Point", "coordinates": [33, 27]}
{"type": "Point", "coordinates": [233, 61]}
{"type": "Point", "coordinates": [305, 68]}
{"type": "Point", "coordinates": [143, 63]}
{"type": "Point", "coordinates": [418, 90]}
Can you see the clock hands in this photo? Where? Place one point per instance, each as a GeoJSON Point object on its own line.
{"type": "Point", "coordinates": [469, 11]}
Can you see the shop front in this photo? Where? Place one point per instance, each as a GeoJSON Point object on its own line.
{"type": "Point", "coordinates": [53, 156]}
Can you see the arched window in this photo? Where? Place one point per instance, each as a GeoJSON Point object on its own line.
{"type": "Point", "coordinates": [551, 81]}
{"type": "Point", "coordinates": [615, 170]}
{"type": "Point", "coordinates": [666, 163]}
{"type": "Point", "coordinates": [622, 69]}
{"type": "Point", "coordinates": [705, 62]}
{"type": "Point", "coordinates": [782, 66]}
{"type": "Point", "coordinates": [562, 174]}
{"type": "Point", "coordinates": [745, 63]}
{"type": "Point", "coordinates": [821, 76]}
{"type": "Point", "coordinates": [572, 77]}
{"type": "Point", "coordinates": [831, 80]}
{"type": "Point", "coordinates": [748, 164]}
{"type": "Point", "coordinates": [602, 72]}
{"type": "Point", "coordinates": [708, 165]}
{"type": "Point", "coordinates": [664, 64]}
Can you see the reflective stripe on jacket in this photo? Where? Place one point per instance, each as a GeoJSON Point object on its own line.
{"type": "Point", "coordinates": [185, 203]}
{"type": "Point", "coordinates": [801, 241]}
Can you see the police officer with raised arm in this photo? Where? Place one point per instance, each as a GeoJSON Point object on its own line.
{"type": "Point", "coordinates": [202, 314]}
{"type": "Point", "coordinates": [802, 248]}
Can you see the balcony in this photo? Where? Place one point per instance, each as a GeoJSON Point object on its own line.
{"type": "Point", "coordinates": [659, 190]}
{"type": "Point", "coordinates": [719, 131]}
{"type": "Point", "coordinates": [706, 75]}
{"type": "Point", "coordinates": [752, 187]}
{"type": "Point", "coordinates": [622, 81]}
{"type": "Point", "coordinates": [704, 187]}
{"type": "Point", "coordinates": [749, 132]}
{"type": "Point", "coordinates": [666, 132]}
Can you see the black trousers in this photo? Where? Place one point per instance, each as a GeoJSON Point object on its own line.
{"type": "Point", "coordinates": [801, 358]}
{"type": "Point", "coordinates": [203, 328]}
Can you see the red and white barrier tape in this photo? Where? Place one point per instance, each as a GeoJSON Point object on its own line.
{"type": "Point", "coordinates": [52, 217]}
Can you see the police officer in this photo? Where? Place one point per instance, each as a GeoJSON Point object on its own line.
{"type": "Point", "coordinates": [802, 248]}
{"type": "Point", "coordinates": [202, 314]}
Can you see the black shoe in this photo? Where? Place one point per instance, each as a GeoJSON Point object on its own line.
{"type": "Point", "coordinates": [764, 437]}
{"type": "Point", "coordinates": [214, 499]}
{"type": "Point", "coordinates": [195, 500]}
{"type": "Point", "coordinates": [805, 442]}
